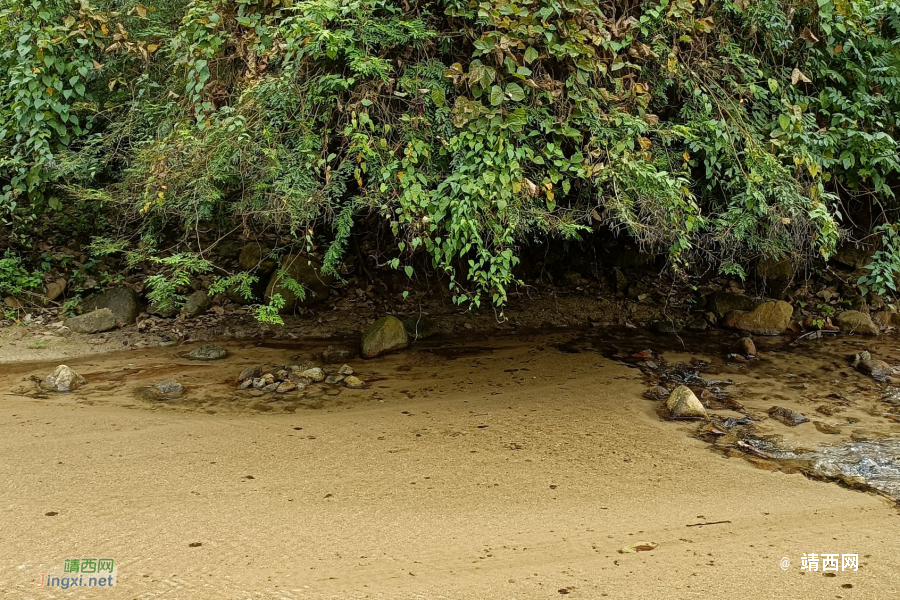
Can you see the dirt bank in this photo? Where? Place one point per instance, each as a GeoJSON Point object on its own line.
{"type": "Point", "coordinates": [503, 469]}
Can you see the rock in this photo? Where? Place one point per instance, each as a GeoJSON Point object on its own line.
{"type": "Point", "coordinates": [63, 379]}
{"type": "Point", "coordinates": [665, 326]}
{"type": "Point", "coordinates": [746, 347]}
{"type": "Point", "coordinates": [854, 321]}
{"type": "Point", "coordinates": [251, 372]}
{"type": "Point", "coordinates": [722, 303]}
{"type": "Point", "coordinates": [683, 404]}
{"type": "Point", "coordinates": [877, 369]}
{"type": "Point", "coordinates": [891, 395]}
{"type": "Point", "coordinates": [698, 324]}
{"type": "Point", "coordinates": [272, 386]}
{"type": "Point", "coordinates": [883, 319]}
{"type": "Point", "coordinates": [354, 383]}
{"type": "Point", "coordinates": [315, 374]}
{"type": "Point", "coordinates": [387, 334]}
{"type": "Point", "coordinates": [769, 318]}
{"type": "Point", "coordinates": [333, 354]}
{"type": "Point", "coordinates": [315, 285]}
{"type": "Point", "coordinates": [285, 387]}
{"type": "Point", "coordinates": [854, 257]}
{"type": "Point", "coordinates": [334, 379]}
{"type": "Point", "coordinates": [55, 289]}
{"type": "Point", "coordinates": [259, 383]}
{"type": "Point", "coordinates": [419, 327]}
{"type": "Point", "coordinates": [166, 313]}
{"type": "Point", "coordinates": [826, 428]}
{"type": "Point", "coordinates": [864, 355]}
{"type": "Point", "coordinates": [789, 417]}
{"type": "Point", "coordinates": [93, 322]}
{"type": "Point", "coordinates": [13, 302]}
{"type": "Point", "coordinates": [196, 304]}
{"type": "Point", "coordinates": [245, 384]}
{"type": "Point", "coordinates": [780, 270]}
{"type": "Point", "coordinates": [208, 352]}
{"type": "Point", "coordinates": [256, 256]}
{"type": "Point", "coordinates": [169, 388]}
{"type": "Point", "coordinates": [345, 370]}
{"type": "Point", "coordinates": [657, 393]}
{"type": "Point", "coordinates": [122, 301]}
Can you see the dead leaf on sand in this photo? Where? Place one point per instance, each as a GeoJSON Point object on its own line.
{"type": "Point", "coordinates": [639, 547]}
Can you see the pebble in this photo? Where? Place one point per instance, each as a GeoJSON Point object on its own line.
{"type": "Point", "coordinates": [789, 417]}
{"type": "Point", "coordinates": [315, 374]}
{"type": "Point", "coordinates": [286, 386]}
{"type": "Point", "coordinates": [170, 388]}
{"type": "Point", "coordinates": [251, 372]}
{"type": "Point", "coordinates": [208, 352]}
{"type": "Point", "coordinates": [354, 383]}
{"type": "Point", "coordinates": [746, 347]}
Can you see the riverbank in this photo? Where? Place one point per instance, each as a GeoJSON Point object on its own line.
{"type": "Point", "coordinates": [511, 468]}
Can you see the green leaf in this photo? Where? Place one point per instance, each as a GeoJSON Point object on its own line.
{"type": "Point", "coordinates": [496, 95]}
{"type": "Point", "coordinates": [531, 55]}
{"type": "Point", "coordinates": [515, 92]}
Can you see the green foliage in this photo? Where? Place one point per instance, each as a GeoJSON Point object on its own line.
{"type": "Point", "coordinates": [15, 278]}
{"type": "Point", "coordinates": [176, 273]}
{"type": "Point", "coordinates": [885, 264]}
{"type": "Point", "coordinates": [711, 132]}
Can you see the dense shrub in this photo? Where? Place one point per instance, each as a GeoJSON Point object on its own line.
{"type": "Point", "coordinates": [713, 132]}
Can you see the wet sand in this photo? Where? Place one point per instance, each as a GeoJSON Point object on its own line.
{"type": "Point", "coordinates": [508, 470]}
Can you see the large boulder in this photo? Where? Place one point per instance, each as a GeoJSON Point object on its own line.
{"type": "Point", "coordinates": [769, 318]}
{"type": "Point", "coordinates": [772, 269]}
{"type": "Point", "coordinates": [122, 301]}
{"type": "Point", "coordinates": [93, 322]}
{"type": "Point", "coordinates": [196, 304]}
{"type": "Point", "coordinates": [854, 321]}
{"type": "Point", "coordinates": [854, 256]}
{"type": "Point", "coordinates": [255, 255]}
{"type": "Point", "coordinates": [306, 274]}
{"type": "Point", "coordinates": [684, 404]}
{"type": "Point", "coordinates": [387, 334]}
{"type": "Point", "coordinates": [166, 313]}
{"type": "Point", "coordinates": [722, 303]}
{"type": "Point", "coordinates": [63, 379]}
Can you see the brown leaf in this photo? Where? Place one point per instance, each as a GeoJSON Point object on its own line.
{"type": "Point", "coordinates": [141, 10]}
{"type": "Point", "coordinates": [639, 547]}
{"type": "Point", "coordinates": [808, 35]}
{"type": "Point", "coordinates": [797, 75]}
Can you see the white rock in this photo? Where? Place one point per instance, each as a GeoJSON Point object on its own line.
{"type": "Point", "coordinates": [683, 404]}
{"type": "Point", "coordinates": [63, 379]}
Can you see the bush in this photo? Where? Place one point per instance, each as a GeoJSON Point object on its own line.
{"type": "Point", "coordinates": [712, 132]}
